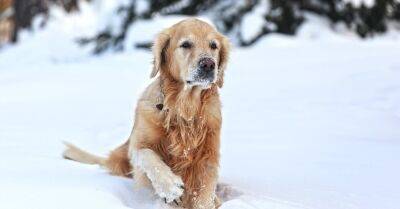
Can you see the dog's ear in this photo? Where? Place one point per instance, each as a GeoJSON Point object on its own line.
{"type": "Point", "coordinates": [223, 59]}
{"type": "Point", "coordinates": [159, 49]}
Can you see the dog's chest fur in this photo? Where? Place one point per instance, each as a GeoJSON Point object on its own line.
{"type": "Point", "coordinates": [191, 135]}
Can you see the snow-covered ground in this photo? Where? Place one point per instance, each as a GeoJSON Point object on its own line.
{"type": "Point", "coordinates": [311, 122]}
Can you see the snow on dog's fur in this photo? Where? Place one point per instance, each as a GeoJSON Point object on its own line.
{"type": "Point", "coordinates": [174, 144]}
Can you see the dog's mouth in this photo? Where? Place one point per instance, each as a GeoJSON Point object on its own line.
{"type": "Point", "coordinates": [203, 82]}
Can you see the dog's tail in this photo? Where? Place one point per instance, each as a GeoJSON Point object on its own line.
{"type": "Point", "coordinates": [74, 153]}
{"type": "Point", "coordinates": [117, 162]}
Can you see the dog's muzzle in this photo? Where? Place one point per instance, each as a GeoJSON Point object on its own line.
{"type": "Point", "coordinates": [204, 74]}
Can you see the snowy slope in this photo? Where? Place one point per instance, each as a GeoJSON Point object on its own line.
{"type": "Point", "coordinates": [311, 122]}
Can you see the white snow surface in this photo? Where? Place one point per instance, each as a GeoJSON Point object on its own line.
{"type": "Point", "coordinates": [311, 122]}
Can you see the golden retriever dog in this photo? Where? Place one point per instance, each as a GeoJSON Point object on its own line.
{"type": "Point", "coordinates": [174, 144]}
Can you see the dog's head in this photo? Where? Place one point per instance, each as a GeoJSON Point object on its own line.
{"type": "Point", "coordinates": [192, 52]}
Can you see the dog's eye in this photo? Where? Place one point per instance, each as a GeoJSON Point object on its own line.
{"type": "Point", "coordinates": [213, 45]}
{"type": "Point", "coordinates": [186, 45]}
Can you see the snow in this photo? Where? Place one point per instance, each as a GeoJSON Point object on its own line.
{"type": "Point", "coordinates": [360, 2]}
{"type": "Point", "coordinates": [310, 122]}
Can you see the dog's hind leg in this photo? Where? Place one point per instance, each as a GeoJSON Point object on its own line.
{"type": "Point", "coordinates": [117, 162]}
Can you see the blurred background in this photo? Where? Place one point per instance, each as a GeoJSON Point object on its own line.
{"type": "Point", "coordinates": [311, 100]}
{"type": "Point", "coordinates": [366, 18]}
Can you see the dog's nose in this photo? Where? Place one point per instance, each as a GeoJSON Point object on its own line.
{"type": "Point", "coordinates": [207, 64]}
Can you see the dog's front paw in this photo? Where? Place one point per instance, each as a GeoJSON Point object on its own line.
{"type": "Point", "coordinates": [168, 186]}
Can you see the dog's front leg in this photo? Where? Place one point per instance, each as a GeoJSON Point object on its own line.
{"type": "Point", "coordinates": [205, 197]}
{"type": "Point", "coordinates": [166, 184]}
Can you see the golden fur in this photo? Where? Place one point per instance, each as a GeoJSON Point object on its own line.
{"type": "Point", "coordinates": [185, 133]}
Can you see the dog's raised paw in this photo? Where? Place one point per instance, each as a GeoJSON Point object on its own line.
{"type": "Point", "coordinates": [168, 186]}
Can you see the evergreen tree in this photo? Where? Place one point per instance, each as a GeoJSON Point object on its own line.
{"type": "Point", "coordinates": [26, 10]}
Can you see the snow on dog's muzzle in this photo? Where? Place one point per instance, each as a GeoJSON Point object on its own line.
{"type": "Point", "coordinates": [204, 74]}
